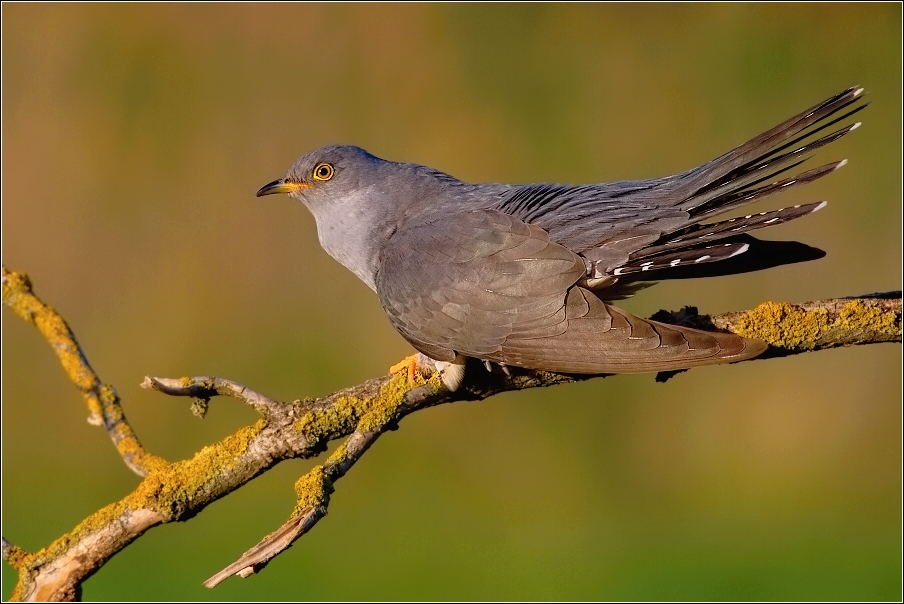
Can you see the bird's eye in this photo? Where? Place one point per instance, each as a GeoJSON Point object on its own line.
{"type": "Point", "coordinates": [323, 172]}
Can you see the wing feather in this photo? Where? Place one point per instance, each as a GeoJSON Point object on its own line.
{"type": "Point", "coordinates": [498, 289]}
{"type": "Point", "coordinates": [465, 282]}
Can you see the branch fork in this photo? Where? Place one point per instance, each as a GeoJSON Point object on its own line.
{"type": "Point", "coordinates": [359, 415]}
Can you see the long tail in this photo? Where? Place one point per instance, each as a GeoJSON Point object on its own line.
{"type": "Point", "coordinates": [742, 176]}
{"type": "Point", "coordinates": [733, 178]}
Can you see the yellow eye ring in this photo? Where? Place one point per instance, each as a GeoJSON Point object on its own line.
{"type": "Point", "coordinates": [323, 172]}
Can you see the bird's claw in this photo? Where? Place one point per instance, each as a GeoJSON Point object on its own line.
{"type": "Point", "coordinates": [409, 364]}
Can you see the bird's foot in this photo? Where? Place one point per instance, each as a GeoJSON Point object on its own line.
{"type": "Point", "coordinates": [409, 364]}
{"type": "Point", "coordinates": [451, 373]}
{"type": "Point", "coordinates": [489, 367]}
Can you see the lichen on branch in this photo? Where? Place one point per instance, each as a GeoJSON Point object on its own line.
{"type": "Point", "coordinates": [303, 428]}
{"type": "Point", "coordinates": [103, 402]}
{"type": "Point", "coordinates": [793, 327]}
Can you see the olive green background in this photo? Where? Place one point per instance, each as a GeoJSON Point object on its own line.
{"type": "Point", "coordinates": [134, 138]}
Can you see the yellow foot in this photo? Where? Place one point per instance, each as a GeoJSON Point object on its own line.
{"type": "Point", "coordinates": [409, 364]}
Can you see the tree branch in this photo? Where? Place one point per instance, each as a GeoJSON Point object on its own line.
{"type": "Point", "coordinates": [103, 402]}
{"type": "Point", "coordinates": [303, 428]}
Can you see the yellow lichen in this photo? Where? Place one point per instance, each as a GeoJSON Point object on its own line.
{"type": "Point", "coordinates": [787, 326]}
{"type": "Point", "coordinates": [338, 456]}
{"type": "Point", "coordinates": [783, 325]}
{"type": "Point", "coordinates": [16, 556]}
{"type": "Point", "coordinates": [435, 382]}
{"type": "Point", "coordinates": [313, 490]}
{"type": "Point", "coordinates": [131, 450]}
{"type": "Point", "coordinates": [109, 402]}
{"type": "Point", "coordinates": [168, 486]}
{"type": "Point", "coordinates": [380, 409]}
{"type": "Point", "coordinates": [857, 316]}
{"type": "Point", "coordinates": [330, 422]}
{"type": "Point", "coordinates": [14, 282]}
{"type": "Point", "coordinates": [103, 517]}
{"type": "Point", "coordinates": [19, 297]}
{"type": "Point", "coordinates": [350, 413]}
{"type": "Point", "coordinates": [163, 490]}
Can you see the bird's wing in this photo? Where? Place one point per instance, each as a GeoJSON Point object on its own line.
{"type": "Point", "coordinates": [485, 284]}
{"type": "Point", "coordinates": [466, 282]}
{"type": "Point", "coordinates": [601, 338]}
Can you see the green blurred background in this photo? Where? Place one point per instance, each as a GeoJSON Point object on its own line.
{"type": "Point", "coordinates": [134, 138]}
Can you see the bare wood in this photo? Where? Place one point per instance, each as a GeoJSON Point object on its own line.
{"type": "Point", "coordinates": [313, 491]}
{"type": "Point", "coordinates": [205, 388]}
{"type": "Point", "coordinates": [178, 490]}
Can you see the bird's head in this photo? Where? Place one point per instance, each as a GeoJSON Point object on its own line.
{"type": "Point", "coordinates": [348, 191]}
{"type": "Point", "coordinates": [327, 174]}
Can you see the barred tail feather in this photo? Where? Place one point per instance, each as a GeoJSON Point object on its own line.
{"type": "Point", "coordinates": [742, 176]}
{"type": "Point", "coordinates": [682, 257]}
{"type": "Point", "coordinates": [703, 233]}
{"type": "Point", "coordinates": [741, 160]}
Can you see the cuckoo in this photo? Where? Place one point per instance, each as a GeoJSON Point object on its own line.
{"type": "Point", "coordinates": [524, 275]}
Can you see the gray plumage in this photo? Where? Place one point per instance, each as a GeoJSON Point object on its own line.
{"type": "Point", "coordinates": [522, 274]}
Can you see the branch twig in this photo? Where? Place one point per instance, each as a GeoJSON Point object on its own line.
{"type": "Point", "coordinates": [313, 490]}
{"type": "Point", "coordinates": [103, 402]}
{"type": "Point", "coordinates": [204, 388]}
{"type": "Point", "coordinates": [178, 490]}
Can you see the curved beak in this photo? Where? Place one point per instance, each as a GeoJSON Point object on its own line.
{"type": "Point", "coordinates": [283, 185]}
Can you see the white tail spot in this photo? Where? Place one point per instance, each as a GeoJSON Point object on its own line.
{"type": "Point", "coordinates": [741, 250]}
{"type": "Point", "coordinates": [702, 258]}
{"type": "Point", "coordinates": [771, 221]}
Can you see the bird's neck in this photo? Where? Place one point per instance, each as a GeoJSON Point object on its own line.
{"type": "Point", "coordinates": [353, 231]}
{"type": "Point", "coordinates": [355, 228]}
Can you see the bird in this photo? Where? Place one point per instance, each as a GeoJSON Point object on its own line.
{"type": "Point", "coordinates": [524, 275]}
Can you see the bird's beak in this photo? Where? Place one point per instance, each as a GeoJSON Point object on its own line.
{"type": "Point", "coordinates": [283, 185]}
